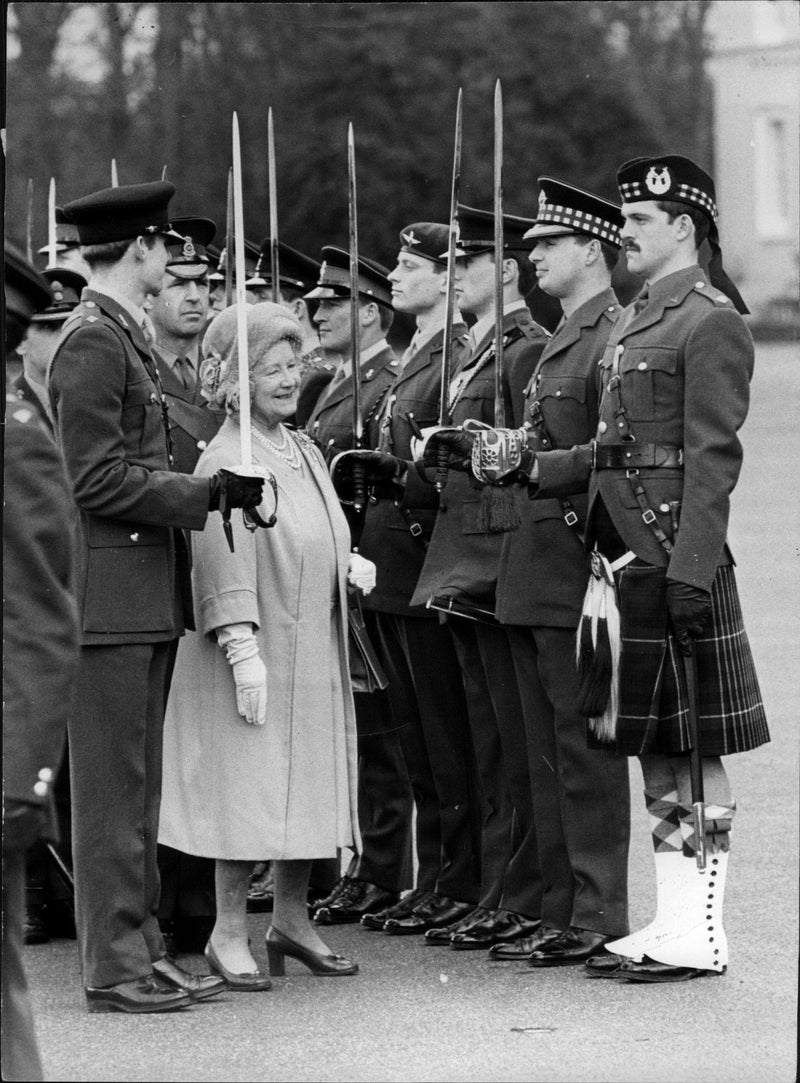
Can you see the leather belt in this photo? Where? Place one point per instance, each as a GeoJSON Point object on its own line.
{"type": "Point", "coordinates": [626, 456]}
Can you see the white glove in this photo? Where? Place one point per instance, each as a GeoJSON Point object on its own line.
{"type": "Point", "coordinates": [361, 573]}
{"type": "Point", "coordinates": [250, 676]}
{"type": "Point", "coordinates": [249, 672]}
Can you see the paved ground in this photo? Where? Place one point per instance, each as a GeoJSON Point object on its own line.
{"type": "Point", "coordinates": [422, 1013]}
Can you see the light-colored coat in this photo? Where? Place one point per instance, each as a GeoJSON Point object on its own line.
{"type": "Point", "coordinates": [285, 790]}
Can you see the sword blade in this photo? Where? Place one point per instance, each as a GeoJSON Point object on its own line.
{"type": "Point", "coordinates": [52, 246]}
{"type": "Point", "coordinates": [114, 174]}
{"type": "Point", "coordinates": [273, 212]}
{"type": "Point", "coordinates": [499, 399]}
{"type": "Point", "coordinates": [352, 209]}
{"type": "Point", "coordinates": [241, 304]}
{"type": "Point", "coordinates": [228, 249]}
{"type": "Point", "coordinates": [450, 304]}
{"type": "Point", "coordinates": [29, 224]}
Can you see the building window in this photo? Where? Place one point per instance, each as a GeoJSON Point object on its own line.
{"type": "Point", "coordinates": [771, 174]}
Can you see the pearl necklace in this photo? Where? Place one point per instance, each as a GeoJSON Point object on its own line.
{"type": "Point", "coordinates": [288, 450]}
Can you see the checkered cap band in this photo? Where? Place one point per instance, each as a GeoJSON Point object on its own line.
{"type": "Point", "coordinates": [553, 214]}
{"type": "Point", "coordinates": [684, 193]}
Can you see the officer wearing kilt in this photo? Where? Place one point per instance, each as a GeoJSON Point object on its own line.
{"type": "Point", "coordinates": [675, 391]}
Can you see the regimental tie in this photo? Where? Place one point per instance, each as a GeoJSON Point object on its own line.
{"type": "Point", "coordinates": [641, 300]}
{"type": "Point", "coordinates": [184, 370]}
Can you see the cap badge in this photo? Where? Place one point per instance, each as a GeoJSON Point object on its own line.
{"type": "Point", "coordinates": [542, 199]}
{"type": "Point", "coordinates": [323, 269]}
{"type": "Point", "coordinates": [410, 239]}
{"type": "Point", "coordinates": [658, 180]}
{"type": "Point", "coordinates": [188, 251]}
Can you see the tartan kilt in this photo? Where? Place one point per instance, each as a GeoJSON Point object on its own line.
{"type": "Point", "coordinates": [652, 714]}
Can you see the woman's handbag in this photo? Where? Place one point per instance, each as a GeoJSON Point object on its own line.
{"type": "Point", "coordinates": [366, 671]}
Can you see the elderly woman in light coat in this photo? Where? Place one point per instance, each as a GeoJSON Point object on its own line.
{"type": "Point", "coordinates": [259, 739]}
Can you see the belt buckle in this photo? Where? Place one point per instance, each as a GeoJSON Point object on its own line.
{"type": "Point", "coordinates": [649, 516]}
{"type": "Point", "coordinates": [415, 530]}
{"type": "Point", "coordinates": [570, 518]}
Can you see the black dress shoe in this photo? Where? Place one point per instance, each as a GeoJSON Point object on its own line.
{"type": "Point", "coordinates": [334, 893]}
{"type": "Point", "coordinates": [400, 909]}
{"type": "Point", "coordinates": [147, 994]}
{"type": "Point", "coordinates": [499, 927]}
{"type": "Point", "coordinates": [198, 986]}
{"type": "Point", "coordinates": [572, 947]}
{"type": "Point", "coordinates": [648, 970]}
{"type": "Point", "coordinates": [605, 965]}
{"type": "Point", "coordinates": [436, 912]}
{"type": "Point", "coordinates": [357, 898]}
{"type": "Point", "coordinates": [443, 935]}
{"type": "Point", "coordinates": [520, 950]}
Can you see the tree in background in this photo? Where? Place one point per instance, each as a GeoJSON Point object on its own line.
{"type": "Point", "coordinates": [585, 86]}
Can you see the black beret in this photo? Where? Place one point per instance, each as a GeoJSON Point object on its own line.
{"type": "Point", "coordinates": [120, 214]}
{"type": "Point", "coordinates": [334, 278]}
{"type": "Point", "coordinates": [426, 239]}
{"type": "Point", "coordinates": [563, 208]}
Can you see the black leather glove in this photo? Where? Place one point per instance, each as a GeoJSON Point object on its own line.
{"type": "Point", "coordinates": [22, 824]}
{"type": "Point", "coordinates": [383, 474]}
{"type": "Point", "coordinates": [458, 444]}
{"type": "Point", "coordinates": [690, 611]}
{"type": "Point", "coordinates": [240, 492]}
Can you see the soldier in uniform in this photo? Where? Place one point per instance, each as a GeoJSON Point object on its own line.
{"type": "Point", "coordinates": [459, 576]}
{"type": "Point", "coordinates": [40, 657]}
{"type": "Point", "coordinates": [133, 591]}
{"type": "Point", "coordinates": [372, 880]}
{"type": "Point", "coordinates": [179, 313]}
{"type": "Point", "coordinates": [216, 279]}
{"type": "Point", "coordinates": [425, 689]}
{"type": "Point", "coordinates": [580, 796]}
{"type": "Point", "coordinates": [675, 391]}
{"type": "Point", "coordinates": [49, 908]}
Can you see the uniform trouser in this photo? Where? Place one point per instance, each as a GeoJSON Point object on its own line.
{"type": "Point", "coordinates": [427, 700]}
{"type": "Point", "coordinates": [18, 1049]}
{"type": "Point", "coordinates": [581, 797]}
{"type": "Point", "coordinates": [115, 739]}
{"type": "Point", "coordinates": [187, 881]}
{"type": "Point", "coordinates": [497, 811]}
{"type": "Point", "coordinates": [522, 883]}
{"type": "Point", "coordinates": [385, 799]}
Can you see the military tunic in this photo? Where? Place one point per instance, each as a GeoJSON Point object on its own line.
{"type": "Point", "coordinates": [134, 597]}
{"type": "Point", "coordinates": [675, 379]}
{"type": "Point", "coordinates": [580, 797]}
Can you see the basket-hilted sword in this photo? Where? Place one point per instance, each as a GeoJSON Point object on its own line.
{"type": "Point", "coordinates": [274, 256]}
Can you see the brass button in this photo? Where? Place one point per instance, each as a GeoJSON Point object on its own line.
{"type": "Point", "coordinates": [46, 774]}
{"type": "Point", "coordinates": [642, 366]}
{"type": "Point", "coordinates": [135, 536]}
{"type": "Point", "coordinates": [202, 445]}
{"type": "Point", "coordinates": [602, 426]}
{"type": "Point", "coordinates": [663, 507]}
{"type": "Point", "coordinates": [40, 789]}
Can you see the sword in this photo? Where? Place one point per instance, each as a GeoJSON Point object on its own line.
{"type": "Point", "coordinates": [695, 759]}
{"type": "Point", "coordinates": [499, 397]}
{"type": "Point", "coordinates": [273, 212]}
{"type": "Point", "coordinates": [229, 243]}
{"type": "Point", "coordinates": [29, 224]}
{"type": "Point", "coordinates": [52, 246]}
{"type": "Point", "coordinates": [359, 487]}
{"type": "Point", "coordinates": [114, 176]}
{"type": "Point", "coordinates": [450, 302]}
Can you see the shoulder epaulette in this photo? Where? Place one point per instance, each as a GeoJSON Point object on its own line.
{"type": "Point", "coordinates": [711, 293]}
